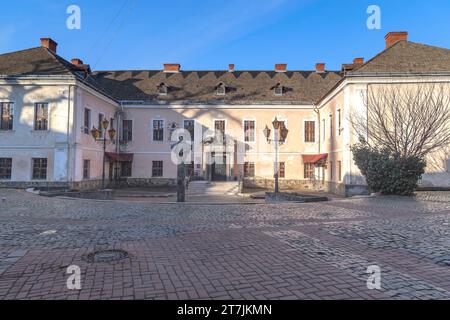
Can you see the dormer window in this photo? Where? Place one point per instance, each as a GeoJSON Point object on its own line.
{"type": "Point", "coordinates": [278, 90]}
{"type": "Point", "coordinates": [221, 89]}
{"type": "Point", "coordinates": [162, 89]}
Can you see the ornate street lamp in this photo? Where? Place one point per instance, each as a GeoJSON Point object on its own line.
{"type": "Point", "coordinates": [281, 133]}
{"type": "Point", "coordinates": [101, 135]}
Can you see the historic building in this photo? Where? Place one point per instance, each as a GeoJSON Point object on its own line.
{"type": "Point", "coordinates": [48, 107]}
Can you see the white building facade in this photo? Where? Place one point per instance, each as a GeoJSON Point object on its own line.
{"type": "Point", "coordinates": [49, 107]}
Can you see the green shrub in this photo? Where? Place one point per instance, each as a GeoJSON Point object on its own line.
{"type": "Point", "coordinates": [388, 173]}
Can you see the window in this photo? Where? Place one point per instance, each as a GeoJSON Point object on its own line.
{"type": "Point", "coordinates": [309, 170]}
{"type": "Point", "coordinates": [5, 168]}
{"type": "Point", "coordinates": [87, 120]}
{"type": "Point", "coordinates": [6, 115]}
{"type": "Point", "coordinates": [100, 120]}
{"type": "Point", "coordinates": [39, 168]}
{"type": "Point", "coordinates": [339, 121]}
{"type": "Point", "coordinates": [219, 129]}
{"type": "Point", "coordinates": [323, 130]}
{"type": "Point", "coordinates": [281, 170]}
{"type": "Point", "coordinates": [86, 169]}
{"type": "Point", "coordinates": [162, 89]}
{"type": "Point", "coordinates": [249, 131]}
{"type": "Point", "coordinates": [278, 90]}
{"type": "Point", "coordinates": [310, 131]}
{"type": "Point", "coordinates": [249, 169]}
{"type": "Point", "coordinates": [221, 89]}
{"type": "Point", "coordinates": [158, 130]}
{"type": "Point", "coordinates": [339, 170]}
{"type": "Point", "coordinates": [41, 116]}
{"type": "Point", "coordinates": [331, 126]}
{"type": "Point", "coordinates": [127, 130]}
{"type": "Point", "coordinates": [157, 169]}
{"type": "Point", "coordinates": [189, 126]}
{"type": "Point", "coordinates": [331, 170]}
{"type": "Point", "coordinates": [125, 169]}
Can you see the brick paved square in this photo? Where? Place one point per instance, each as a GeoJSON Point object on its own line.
{"type": "Point", "coordinates": [232, 251]}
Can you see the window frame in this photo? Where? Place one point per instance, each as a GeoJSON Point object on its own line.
{"type": "Point", "coordinates": [331, 125]}
{"type": "Point", "coordinates": [307, 135]}
{"type": "Point", "coordinates": [129, 131]}
{"type": "Point", "coordinates": [87, 120]}
{"type": "Point", "coordinates": [162, 133]}
{"type": "Point", "coordinates": [129, 172]}
{"type": "Point", "coordinates": [6, 171]}
{"type": "Point", "coordinates": [165, 90]}
{"type": "Point", "coordinates": [339, 163]}
{"type": "Point", "coordinates": [309, 170]}
{"type": "Point", "coordinates": [324, 129]}
{"type": "Point", "coordinates": [224, 129]}
{"type": "Point", "coordinates": [38, 176]}
{"type": "Point", "coordinates": [279, 86]}
{"type": "Point", "coordinates": [192, 134]}
{"type": "Point", "coordinates": [339, 121]}
{"type": "Point", "coordinates": [157, 171]}
{"type": "Point", "coordinates": [246, 136]}
{"type": "Point", "coordinates": [47, 118]}
{"type": "Point", "coordinates": [247, 172]}
{"type": "Point", "coordinates": [12, 111]}
{"type": "Point", "coordinates": [282, 170]}
{"type": "Point", "coordinates": [221, 89]}
{"type": "Point", "coordinates": [86, 170]}
{"type": "Point", "coordinates": [101, 117]}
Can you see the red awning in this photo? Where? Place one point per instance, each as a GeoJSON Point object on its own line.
{"type": "Point", "coordinates": [120, 157]}
{"type": "Point", "coordinates": [314, 158]}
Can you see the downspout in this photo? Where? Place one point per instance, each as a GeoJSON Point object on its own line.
{"type": "Point", "coordinates": [316, 110]}
{"type": "Point", "coordinates": [68, 166]}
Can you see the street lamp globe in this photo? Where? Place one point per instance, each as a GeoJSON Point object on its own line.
{"type": "Point", "coordinates": [95, 133]}
{"type": "Point", "coordinates": [276, 124]}
{"type": "Point", "coordinates": [112, 134]}
{"type": "Point", "coordinates": [105, 124]}
{"type": "Point", "coordinates": [267, 132]}
{"type": "Point", "coordinates": [284, 133]}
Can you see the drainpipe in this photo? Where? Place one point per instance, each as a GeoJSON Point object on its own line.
{"type": "Point", "coordinates": [316, 110]}
{"type": "Point", "coordinates": [68, 163]}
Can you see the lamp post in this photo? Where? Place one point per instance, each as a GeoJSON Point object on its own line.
{"type": "Point", "coordinates": [101, 136]}
{"type": "Point", "coordinates": [280, 135]}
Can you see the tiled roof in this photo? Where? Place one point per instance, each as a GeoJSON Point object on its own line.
{"type": "Point", "coordinates": [42, 62]}
{"type": "Point", "coordinates": [36, 61]}
{"type": "Point", "coordinates": [242, 87]}
{"type": "Point", "coordinates": [408, 57]}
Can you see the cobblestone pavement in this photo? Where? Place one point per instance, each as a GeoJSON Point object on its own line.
{"type": "Point", "coordinates": [230, 251]}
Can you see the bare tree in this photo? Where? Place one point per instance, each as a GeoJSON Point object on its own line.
{"type": "Point", "coordinates": [406, 119]}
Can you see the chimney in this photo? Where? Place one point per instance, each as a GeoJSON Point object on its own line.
{"type": "Point", "coordinates": [280, 67]}
{"type": "Point", "coordinates": [49, 44]}
{"type": "Point", "coordinates": [320, 67]}
{"type": "Point", "coordinates": [77, 62]}
{"type": "Point", "coordinates": [394, 37]}
{"type": "Point", "coordinates": [172, 67]}
{"type": "Point", "coordinates": [231, 67]}
{"type": "Point", "coordinates": [358, 61]}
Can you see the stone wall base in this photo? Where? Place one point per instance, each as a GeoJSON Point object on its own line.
{"type": "Point", "coordinates": [306, 185]}
{"type": "Point", "coordinates": [89, 184]}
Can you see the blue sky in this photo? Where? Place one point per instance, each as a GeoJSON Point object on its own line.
{"type": "Point", "coordinates": [210, 34]}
